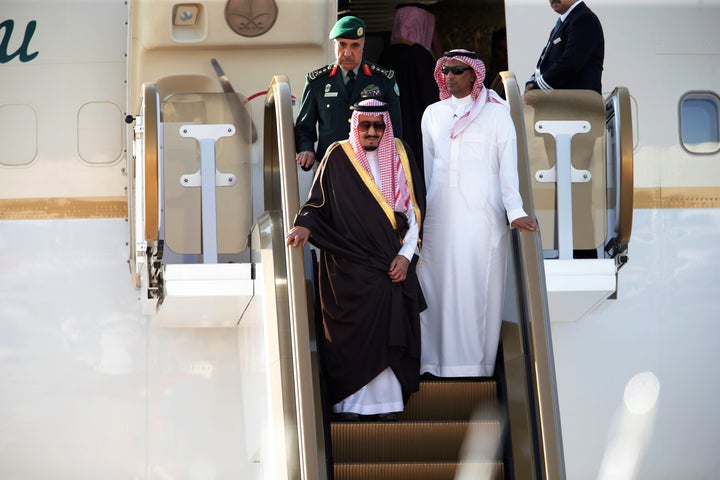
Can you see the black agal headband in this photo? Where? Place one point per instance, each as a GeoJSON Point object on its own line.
{"type": "Point", "coordinates": [371, 108]}
{"type": "Point", "coordinates": [460, 53]}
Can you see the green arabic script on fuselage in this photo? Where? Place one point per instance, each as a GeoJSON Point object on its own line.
{"type": "Point", "coordinates": [6, 31]}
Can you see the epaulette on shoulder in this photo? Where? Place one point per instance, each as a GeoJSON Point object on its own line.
{"type": "Point", "coordinates": [390, 74]}
{"type": "Point", "coordinates": [320, 72]}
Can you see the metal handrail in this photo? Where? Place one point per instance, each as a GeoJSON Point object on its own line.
{"type": "Point", "coordinates": [151, 118]}
{"type": "Point", "coordinates": [620, 99]}
{"type": "Point", "coordinates": [547, 459]}
{"type": "Point", "coordinates": [281, 193]}
{"type": "Point", "coordinates": [143, 187]}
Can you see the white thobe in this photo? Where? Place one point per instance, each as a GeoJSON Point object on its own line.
{"type": "Point", "coordinates": [472, 195]}
{"type": "Point", "coordinates": [383, 394]}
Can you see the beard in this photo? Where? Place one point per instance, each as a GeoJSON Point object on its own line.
{"type": "Point", "coordinates": [370, 148]}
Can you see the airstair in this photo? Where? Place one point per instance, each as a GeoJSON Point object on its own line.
{"type": "Point", "coordinates": [503, 427]}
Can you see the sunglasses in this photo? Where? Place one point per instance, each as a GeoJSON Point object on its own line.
{"type": "Point", "coordinates": [456, 70]}
{"type": "Point", "coordinates": [365, 126]}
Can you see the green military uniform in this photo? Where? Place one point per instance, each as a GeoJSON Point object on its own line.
{"type": "Point", "coordinates": [325, 102]}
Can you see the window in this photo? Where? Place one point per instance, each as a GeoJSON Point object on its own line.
{"type": "Point", "coordinates": [700, 122]}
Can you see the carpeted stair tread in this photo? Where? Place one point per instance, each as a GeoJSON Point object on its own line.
{"type": "Point", "coordinates": [448, 400]}
{"type": "Point", "coordinates": [418, 471]}
{"type": "Point", "coordinates": [356, 442]}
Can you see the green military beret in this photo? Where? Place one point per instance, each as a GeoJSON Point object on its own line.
{"type": "Point", "coordinates": [348, 27]}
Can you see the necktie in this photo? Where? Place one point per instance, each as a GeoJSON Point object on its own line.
{"type": "Point", "coordinates": [350, 82]}
{"type": "Point", "coordinates": [557, 27]}
{"type": "Point", "coordinates": [558, 24]}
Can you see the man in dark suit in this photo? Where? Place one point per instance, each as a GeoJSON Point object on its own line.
{"type": "Point", "coordinates": [331, 90]}
{"type": "Point", "coordinates": [573, 56]}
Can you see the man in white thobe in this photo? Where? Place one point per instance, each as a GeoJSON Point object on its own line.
{"type": "Point", "coordinates": [470, 151]}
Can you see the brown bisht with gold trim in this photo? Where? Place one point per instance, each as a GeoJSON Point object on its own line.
{"type": "Point", "coordinates": [370, 322]}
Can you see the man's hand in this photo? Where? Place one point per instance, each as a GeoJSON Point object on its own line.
{"type": "Point", "coordinates": [525, 223]}
{"type": "Point", "coordinates": [530, 86]}
{"type": "Point", "coordinates": [297, 236]}
{"type": "Point", "coordinates": [305, 159]}
{"type": "Point", "coordinates": [398, 269]}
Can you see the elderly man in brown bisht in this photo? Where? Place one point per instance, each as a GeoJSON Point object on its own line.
{"type": "Point", "coordinates": [364, 213]}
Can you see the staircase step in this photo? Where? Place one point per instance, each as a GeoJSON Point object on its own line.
{"type": "Point", "coordinates": [449, 400]}
{"type": "Point", "coordinates": [418, 471]}
{"type": "Point", "coordinates": [415, 441]}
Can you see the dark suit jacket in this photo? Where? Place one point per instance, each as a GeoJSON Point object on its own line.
{"type": "Point", "coordinates": [325, 103]}
{"type": "Point", "coordinates": [573, 57]}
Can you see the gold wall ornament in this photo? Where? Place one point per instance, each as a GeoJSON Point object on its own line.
{"type": "Point", "coordinates": [251, 18]}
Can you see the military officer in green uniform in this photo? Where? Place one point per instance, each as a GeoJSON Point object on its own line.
{"type": "Point", "coordinates": [331, 90]}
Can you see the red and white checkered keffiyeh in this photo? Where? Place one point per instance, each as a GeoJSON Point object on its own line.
{"type": "Point", "coordinates": [413, 24]}
{"type": "Point", "coordinates": [392, 176]}
{"type": "Point", "coordinates": [480, 94]}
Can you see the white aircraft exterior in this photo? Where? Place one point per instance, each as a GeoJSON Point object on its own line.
{"type": "Point", "coordinates": [92, 387]}
{"type": "Point", "coordinates": [635, 374]}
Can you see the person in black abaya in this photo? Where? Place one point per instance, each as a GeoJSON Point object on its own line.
{"type": "Point", "coordinates": [409, 55]}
